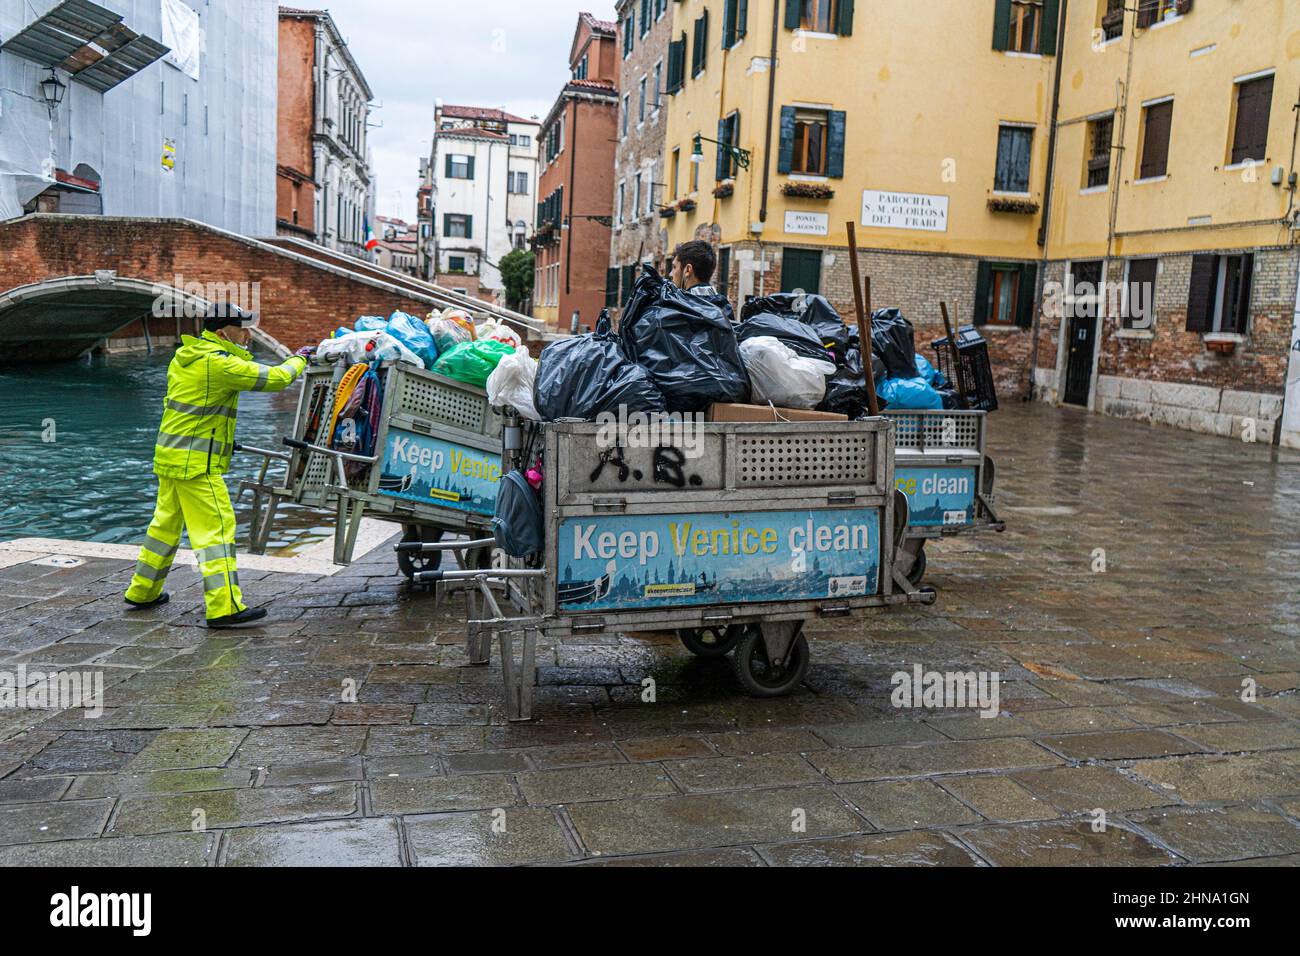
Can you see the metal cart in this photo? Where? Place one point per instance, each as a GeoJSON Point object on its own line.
{"type": "Point", "coordinates": [940, 464]}
{"type": "Point", "coordinates": [770, 525]}
{"type": "Point", "coordinates": [435, 469]}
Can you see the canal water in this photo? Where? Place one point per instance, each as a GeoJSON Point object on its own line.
{"type": "Point", "coordinates": [76, 451]}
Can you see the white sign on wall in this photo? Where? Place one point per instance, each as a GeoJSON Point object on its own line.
{"type": "Point", "coordinates": [182, 33]}
{"type": "Point", "coordinates": [807, 223]}
{"type": "Point", "coordinates": [891, 210]}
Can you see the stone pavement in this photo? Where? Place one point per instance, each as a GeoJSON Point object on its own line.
{"type": "Point", "coordinates": [1122, 691]}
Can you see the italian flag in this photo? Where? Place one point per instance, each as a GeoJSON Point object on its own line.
{"type": "Point", "coordinates": [371, 242]}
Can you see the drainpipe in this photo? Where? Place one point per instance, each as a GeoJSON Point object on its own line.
{"type": "Point", "coordinates": [771, 100]}
{"type": "Point", "coordinates": [1053, 130]}
{"type": "Point", "coordinates": [573, 162]}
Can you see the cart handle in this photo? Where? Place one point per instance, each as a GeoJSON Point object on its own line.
{"type": "Point", "coordinates": [249, 449]}
{"type": "Point", "coordinates": [420, 547]}
{"type": "Point", "coordinates": [430, 577]}
{"type": "Point", "coordinates": [320, 449]}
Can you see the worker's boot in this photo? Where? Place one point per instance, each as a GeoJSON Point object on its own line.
{"type": "Point", "coordinates": [239, 619]}
{"type": "Point", "coordinates": [159, 601]}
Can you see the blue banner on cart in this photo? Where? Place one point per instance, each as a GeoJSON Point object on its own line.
{"type": "Point", "coordinates": [938, 496]}
{"type": "Point", "coordinates": [433, 471]}
{"type": "Point", "coordinates": [647, 561]}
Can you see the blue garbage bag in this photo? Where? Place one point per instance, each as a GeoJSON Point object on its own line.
{"type": "Point", "coordinates": [928, 372]}
{"type": "Point", "coordinates": [914, 393]}
{"type": "Point", "coordinates": [414, 334]}
{"type": "Point", "coordinates": [372, 323]}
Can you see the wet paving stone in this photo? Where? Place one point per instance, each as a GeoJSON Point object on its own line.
{"type": "Point", "coordinates": [45, 822]}
{"type": "Point", "coordinates": [514, 837]}
{"type": "Point", "coordinates": [755, 742]}
{"type": "Point", "coordinates": [1000, 799]}
{"type": "Point", "coordinates": [1225, 779]}
{"type": "Point", "coordinates": [735, 773]}
{"type": "Point", "coordinates": [575, 755]}
{"type": "Point", "coordinates": [1246, 735]}
{"type": "Point", "coordinates": [316, 771]}
{"type": "Point", "coordinates": [710, 820]}
{"type": "Point", "coordinates": [892, 849]}
{"type": "Point", "coordinates": [229, 808]}
{"type": "Point", "coordinates": [91, 752]}
{"type": "Point", "coordinates": [165, 781]}
{"type": "Point", "coordinates": [33, 790]}
{"type": "Point", "coordinates": [732, 856]}
{"type": "Point", "coordinates": [329, 843]}
{"type": "Point", "coordinates": [877, 733]}
{"type": "Point", "coordinates": [415, 765]}
{"type": "Point", "coordinates": [1067, 843]}
{"type": "Point", "coordinates": [1213, 836]}
{"type": "Point", "coordinates": [1081, 789]}
{"type": "Point", "coordinates": [502, 761]}
{"type": "Point", "coordinates": [187, 749]}
{"type": "Point", "coordinates": [268, 746]}
{"type": "Point", "coordinates": [665, 748]}
{"type": "Point", "coordinates": [441, 794]}
{"type": "Point", "coordinates": [173, 849]}
{"type": "Point", "coordinates": [576, 784]}
{"type": "Point", "coordinates": [878, 763]}
{"type": "Point", "coordinates": [1121, 745]}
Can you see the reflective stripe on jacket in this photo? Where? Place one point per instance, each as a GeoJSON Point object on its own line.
{"type": "Point", "coordinates": [197, 436]}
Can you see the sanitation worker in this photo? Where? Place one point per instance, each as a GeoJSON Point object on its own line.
{"type": "Point", "coordinates": [193, 451]}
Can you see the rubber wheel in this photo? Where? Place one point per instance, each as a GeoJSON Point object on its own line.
{"type": "Point", "coordinates": [710, 642]}
{"type": "Point", "coordinates": [412, 564]}
{"type": "Point", "coordinates": [758, 675]}
{"type": "Point", "coordinates": [917, 572]}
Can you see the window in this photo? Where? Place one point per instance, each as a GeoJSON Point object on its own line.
{"type": "Point", "coordinates": [1004, 293]}
{"type": "Point", "coordinates": [618, 203]}
{"type": "Point", "coordinates": [801, 271]}
{"type": "Point", "coordinates": [456, 226]}
{"type": "Point", "coordinates": [1026, 26]}
{"type": "Point", "coordinates": [645, 17]}
{"type": "Point", "coordinates": [525, 140]}
{"type": "Point", "coordinates": [627, 111]}
{"type": "Point", "coordinates": [699, 55]}
{"type": "Point", "coordinates": [455, 263]}
{"type": "Point", "coordinates": [812, 142]}
{"type": "Point", "coordinates": [809, 142]}
{"type": "Point", "coordinates": [1156, 122]}
{"type": "Point", "coordinates": [1140, 294]}
{"type": "Point", "coordinates": [723, 279]}
{"type": "Point", "coordinates": [817, 16]}
{"type": "Point", "coordinates": [734, 15]}
{"type": "Point", "coordinates": [636, 202]}
{"type": "Point", "coordinates": [674, 171]}
{"type": "Point", "coordinates": [1219, 294]}
{"type": "Point", "coordinates": [728, 133]}
{"type": "Point", "coordinates": [640, 116]}
{"type": "Point", "coordinates": [677, 64]}
{"type": "Point", "coordinates": [1086, 290]}
{"type": "Point", "coordinates": [650, 190]}
{"type": "Point", "coordinates": [580, 71]}
{"type": "Point", "coordinates": [517, 182]}
{"type": "Point", "coordinates": [629, 283]}
{"type": "Point", "coordinates": [1250, 133]}
{"type": "Point", "coordinates": [1112, 20]}
{"type": "Point", "coordinates": [1153, 11]}
{"type": "Point", "coordinates": [1014, 147]}
{"type": "Point", "coordinates": [660, 7]}
{"type": "Point", "coordinates": [460, 167]}
{"type": "Point", "coordinates": [629, 33]}
{"type": "Point", "coordinates": [611, 287]}
{"type": "Point", "coordinates": [1097, 169]}
{"type": "Point", "coordinates": [695, 176]}
{"type": "Point", "coordinates": [659, 76]}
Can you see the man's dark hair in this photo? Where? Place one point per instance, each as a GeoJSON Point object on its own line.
{"type": "Point", "coordinates": [699, 256]}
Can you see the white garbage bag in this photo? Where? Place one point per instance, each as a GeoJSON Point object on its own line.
{"type": "Point", "coordinates": [494, 328]}
{"type": "Point", "coordinates": [780, 376]}
{"type": "Point", "coordinates": [374, 346]}
{"type": "Point", "coordinates": [511, 383]}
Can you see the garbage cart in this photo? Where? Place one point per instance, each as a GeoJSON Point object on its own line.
{"type": "Point", "coordinates": [435, 467]}
{"type": "Point", "coordinates": [941, 466]}
{"type": "Point", "coordinates": [732, 540]}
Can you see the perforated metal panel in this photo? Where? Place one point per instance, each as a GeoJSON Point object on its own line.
{"type": "Point", "coordinates": [425, 398]}
{"type": "Point", "coordinates": [785, 460]}
{"type": "Point", "coordinates": [929, 430]}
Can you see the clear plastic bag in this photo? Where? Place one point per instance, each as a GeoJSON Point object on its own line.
{"type": "Point", "coordinates": [781, 377]}
{"type": "Point", "coordinates": [450, 328]}
{"type": "Point", "coordinates": [415, 335]}
{"type": "Point", "coordinates": [373, 346]}
{"type": "Point", "coordinates": [496, 330]}
{"type": "Point", "coordinates": [511, 383]}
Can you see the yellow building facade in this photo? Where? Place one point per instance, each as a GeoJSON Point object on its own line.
{"type": "Point", "coordinates": [1023, 161]}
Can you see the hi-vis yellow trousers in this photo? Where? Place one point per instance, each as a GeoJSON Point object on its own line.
{"type": "Point", "coordinates": [202, 506]}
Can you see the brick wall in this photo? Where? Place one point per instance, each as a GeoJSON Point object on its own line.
{"type": "Point", "coordinates": [295, 189]}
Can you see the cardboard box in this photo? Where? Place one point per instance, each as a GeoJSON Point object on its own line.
{"type": "Point", "coordinates": [766, 413]}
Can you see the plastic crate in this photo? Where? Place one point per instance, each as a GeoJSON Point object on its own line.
{"type": "Point", "coordinates": [974, 368]}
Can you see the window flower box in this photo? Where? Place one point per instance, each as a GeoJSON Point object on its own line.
{"type": "Point", "coordinates": [667, 212]}
{"type": "Point", "coordinates": [802, 190]}
{"type": "Point", "coordinates": [724, 189]}
{"type": "Point", "coordinates": [1012, 204]}
{"type": "Point", "coordinates": [686, 205]}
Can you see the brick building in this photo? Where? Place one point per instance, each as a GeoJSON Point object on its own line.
{"type": "Point", "coordinates": [640, 235]}
{"type": "Point", "coordinates": [576, 184]}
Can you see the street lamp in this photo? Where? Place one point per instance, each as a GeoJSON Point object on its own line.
{"type": "Point", "coordinates": [52, 90]}
{"type": "Point", "coordinates": [741, 156]}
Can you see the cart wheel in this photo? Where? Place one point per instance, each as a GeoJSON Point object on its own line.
{"type": "Point", "coordinates": [710, 641]}
{"type": "Point", "coordinates": [917, 571]}
{"type": "Point", "coordinates": [412, 564]}
{"type": "Point", "coordinates": [759, 676]}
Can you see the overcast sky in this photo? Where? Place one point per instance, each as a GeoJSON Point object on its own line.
{"type": "Point", "coordinates": [511, 54]}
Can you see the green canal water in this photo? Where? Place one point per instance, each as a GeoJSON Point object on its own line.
{"type": "Point", "coordinates": [94, 481]}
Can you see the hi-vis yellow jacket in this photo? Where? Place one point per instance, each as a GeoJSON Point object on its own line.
{"type": "Point", "coordinates": [204, 380]}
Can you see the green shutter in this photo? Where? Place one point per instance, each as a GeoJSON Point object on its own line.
{"type": "Point", "coordinates": [470, 167]}
{"type": "Point", "coordinates": [469, 227]}
{"type": "Point", "coordinates": [742, 19]}
{"type": "Point", "coordinates": [792, 14]}
{"type": "Point", "coordinates": [448, 165]}
{"type": "Point", "coordinates": [1051, 16]}
{"type": "Point", "coordinates": [835, 144]}
{"type": "Point", "coordinates": [728, 12]}
{"type": "Point", "coordinates": [723, 166]}
{"type": "Point", "coordinates": [446, 225]}
{"type": "Point", "coordinates": [704, 40]}
{"type": "Point", "coordinates": [1002, 25]}
{"type": "Point", "coordinates": [983, 282]}
{"type": "Point", "coordinates": [785, 159]}
{"type": "Point", "coordinates": [844, 26]}
{"type": "Point", "coordinates": [1200, 292]}
{"type": "Point", "coordinates": [1027, 302]}
{"type": "Point", "coordinates": [629, 280]}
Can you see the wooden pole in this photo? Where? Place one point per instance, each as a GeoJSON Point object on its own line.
{"type": "Point", "coordinates": [864, 320]}
{"type": "Point", "coordinates": [956, 356]}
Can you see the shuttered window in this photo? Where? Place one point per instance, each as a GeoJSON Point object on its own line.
{"type": "Point", "coordinates": [1100, 134]}
{"type": "Point", "coordinates": [1015, 144]}
{"type": "Point", "coordinates": [801, 271]}
{"type": "Point", "coordinates": [735, 14]}
{"type": "Point", "coordinates": [1250, 134]}
{"type": "Point", "coordinates": [1140, 294]}
{"type": "Point", "coordinates": [1026, 26]}
{"type": "Point", "coordinates": [1004, 293]}
{"type": "Point", "coordinates": [456, 226]}
{"type": "Point", "coordinates": [1153, 11]}
{"type": "Point", "coordinates": [1156, 125]}
{"type": "Point", "coordinates": [677, 64]}
{"type": "Point", "coordinates": [820, 16]}
{"type": "Point", "coordinates": [812, 142]}
{"type": "Point", "coordinates": [629, 280]}
{"type": "Point", "coordinates": [728, 133]}
{"type": "Point", "coordinates": [1218, 298]}
{"type": "Point", "coordinates": [611, 288]}
{"type": "Point", "coordinates": [700, 52]}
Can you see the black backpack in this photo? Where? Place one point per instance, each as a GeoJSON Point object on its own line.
{"type": "Point", "coordinates": [517, 524]}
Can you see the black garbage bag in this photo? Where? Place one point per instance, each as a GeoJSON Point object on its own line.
{"type": "Point", "coordinates": [584, 375]}
{"type": "Point", "coordinates": [893, 340]}
{"type": "Point", "coordinates": [802, 339]}
{"type": "Point", "coordinates": [686, 343]}
{"type": "Point", "coordinates": [812, 310]}
{"type": "Point", "coordinates": [846, 391]}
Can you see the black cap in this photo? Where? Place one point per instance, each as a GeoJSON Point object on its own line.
{"type": "Point", "coordinates": [224, 314]}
